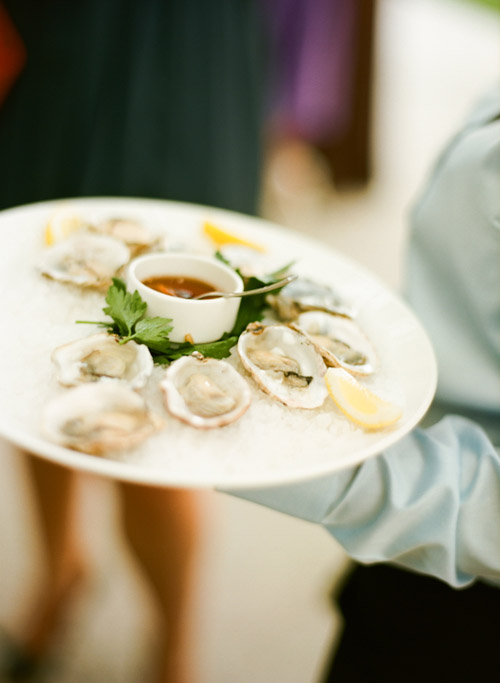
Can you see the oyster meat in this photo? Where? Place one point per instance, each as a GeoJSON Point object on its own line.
{"type": "Point", "coordinates": [205, 392]}
{"type": "Point", "coordinates": [99, 418]}
{"type": "Point", "coordinates": [340, 341]}
{"type": "Point", "coordinates": [101, 356]}
{"type": "Point", "coordinates": [284, 363]}
{"type": "Point", "coordinates": [85, 259]}
{"type": "Point", "coordinates": [306, 295]}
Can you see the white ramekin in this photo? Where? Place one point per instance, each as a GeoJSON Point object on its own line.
{"type": "Point", "coordinates": [202, 321]}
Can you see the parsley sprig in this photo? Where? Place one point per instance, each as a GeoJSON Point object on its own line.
{"type": "Point", "coordinates": [129, 321]}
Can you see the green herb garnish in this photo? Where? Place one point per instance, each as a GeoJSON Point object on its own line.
{"type": "Point", "coordinates": [126, 309]}
{"type": "Point", "coordinates": [129, 321]}
{"type": "Point", "coordinates": [218, 349]}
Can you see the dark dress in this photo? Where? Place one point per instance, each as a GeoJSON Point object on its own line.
{"type": "Point", "coordinates": [402, 627]}
{"type": "Point", "coordinates": [151, 98]}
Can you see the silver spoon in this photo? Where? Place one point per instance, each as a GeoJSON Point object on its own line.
{"type": "Point", "coordinates": [249, 292]}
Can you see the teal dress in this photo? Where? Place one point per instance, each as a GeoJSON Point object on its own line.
{"type": "Point", "coordinates": [150, 98]}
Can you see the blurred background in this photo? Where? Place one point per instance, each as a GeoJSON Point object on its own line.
{"type": "Point", "coordinates": [346, 176]}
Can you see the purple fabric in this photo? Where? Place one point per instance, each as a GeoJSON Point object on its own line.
{"type": "Point", "coordinates": [313, 56]}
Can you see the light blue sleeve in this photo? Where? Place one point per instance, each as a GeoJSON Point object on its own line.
{"type": "Point", "coordinates": [430, 503]}
{"type": "Point", "coordinates": [452, 278]}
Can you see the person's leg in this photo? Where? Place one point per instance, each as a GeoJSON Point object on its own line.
{"type": "Point", "coordinates": [54, 492]}
{"type": "Point", "coordinates": [162, 527]}
{"type": "Point", "coordinates": [54, 488]}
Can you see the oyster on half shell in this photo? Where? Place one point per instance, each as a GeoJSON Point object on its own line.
{"type": "Point", "coordinates": [101, 356]}
{"type": "Point", "coordinates": [99, 418]}
{"type": "Point", "coordinates": [340, 341]}
{"type": "Point", "coordinates": [284, 363]}
{"type": "Point", "coordinates": [85, 260]}
{"type": "Point", "coordinates": [306, 295]}
{"type": "Point", "coordinates": [205, 392]}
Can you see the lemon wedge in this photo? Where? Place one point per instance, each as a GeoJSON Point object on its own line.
{"type": "Point", "coordinates": [360, 404]}
{"type": "Point", "coordinates": [61, 225]}
{"type": "Point", "coordinates": [222, 237]}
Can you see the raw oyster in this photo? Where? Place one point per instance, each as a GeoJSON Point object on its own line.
{"type": "Point", "coordinates": [284, 363]}
{"type": "Point", "coordinates": [306, 295]}
{"type": "Point", "coordinates": [86, 260]}
{"type": "Point", "coordinates": [340, 341]}
{"type": "Point", "coordinates": [99, 418]}
{"type": "Point", "coordinates": [205, 392]}
{"type": "Point", "coordinates": [131, 232]}
{"type": "Point", "coordinates": [102, 356]}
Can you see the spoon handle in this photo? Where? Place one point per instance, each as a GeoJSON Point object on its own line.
{"type": "Point", "coordinates": [249, 292]}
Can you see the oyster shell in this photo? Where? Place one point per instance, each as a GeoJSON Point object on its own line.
{"type": "Point", "coordinates": [205, 392]}
{"type": "Point", "coordinates": [340, 341]}
{"type": "Point", "coordinates": [102, 356]}
{"type": "Point", "coordinates": [99, 418]}
{"type": "Point", "coordinates": [85, 259]}
{"type": "Point", "coordinates": [306, 295]}
{"type": "Point", "coordinates": [284, 363]}
{"type": "Point", "coordinates": [131, 232]}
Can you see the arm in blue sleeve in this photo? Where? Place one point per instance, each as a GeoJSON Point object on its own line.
{"type": "Point", "coordinates": [430, 503]}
